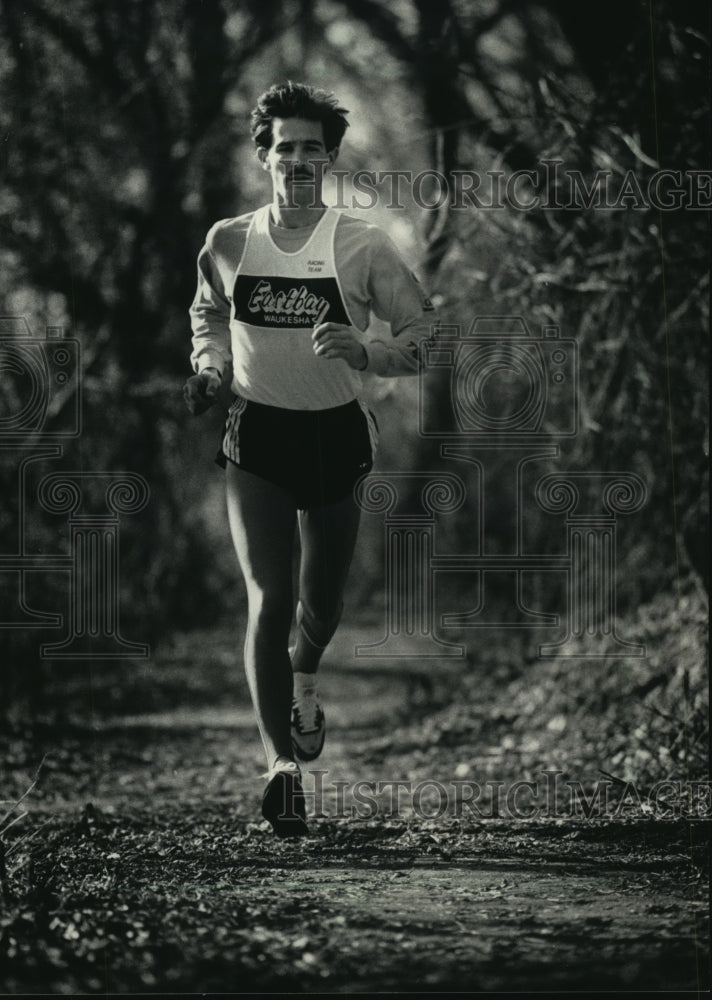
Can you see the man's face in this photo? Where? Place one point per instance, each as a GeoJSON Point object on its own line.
{"type": "Point", "coordinates": [290, 160]}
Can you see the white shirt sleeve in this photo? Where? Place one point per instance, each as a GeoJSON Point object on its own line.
{"type": "Point", "coordinates": [210, 315]}
{"type": "Point", "coordinates": [398, 298]}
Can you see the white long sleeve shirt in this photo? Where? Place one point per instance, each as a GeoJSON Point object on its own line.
{"type": "Point", "coordinates": [263, 288]}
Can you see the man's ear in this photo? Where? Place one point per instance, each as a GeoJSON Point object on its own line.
{"type": "Point", "coordinates": [332, 155]}
{"type": "Point", "coordinates": [261, 154]}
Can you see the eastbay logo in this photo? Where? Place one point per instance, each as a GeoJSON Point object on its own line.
{"type": "Point", "coordinates": [298, 303]}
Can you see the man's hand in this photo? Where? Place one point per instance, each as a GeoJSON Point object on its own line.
{"type": "Point", "coordinates": [334, 340]}
{"type": "Point", "coordinates": [199, 391]}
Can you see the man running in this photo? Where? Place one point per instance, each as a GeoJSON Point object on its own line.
{"type": "Point", "coordinates": [285, 294]}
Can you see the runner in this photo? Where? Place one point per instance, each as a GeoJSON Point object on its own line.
{"type": "Point", "coordinates": [285, 295]}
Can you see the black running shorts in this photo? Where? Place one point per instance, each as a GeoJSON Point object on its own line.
{"type": "Point", "coordinates": [316, 455]}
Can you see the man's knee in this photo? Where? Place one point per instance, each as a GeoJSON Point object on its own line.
{"type": "Point", "coordinates": [269, 609]}
{"type": "Point", "coordinates": [318, 629]}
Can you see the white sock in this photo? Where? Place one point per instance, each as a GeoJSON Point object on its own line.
{"type": "Point", "coordinates": [282, 763]}
{"type": "Point", "coordinates": [304, 686]}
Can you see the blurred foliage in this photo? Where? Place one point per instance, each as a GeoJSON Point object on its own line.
{"type": "Point", "coordinates": [126, 138]}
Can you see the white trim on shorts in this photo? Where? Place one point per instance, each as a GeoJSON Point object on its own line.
{"type": "Point", "coordinates": [372, 429]}
{"type": "Point", "coordinates": [231, 440]}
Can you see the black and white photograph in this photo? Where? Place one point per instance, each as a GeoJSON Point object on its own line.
{"type": "Point", "coordinates": [354, 535]}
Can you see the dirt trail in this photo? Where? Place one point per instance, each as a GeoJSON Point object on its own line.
{"type": "Point", "coordinates": [168, 880]}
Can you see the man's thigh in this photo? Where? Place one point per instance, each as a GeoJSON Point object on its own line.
{"type": "Point", "coordinates": [262, 517]}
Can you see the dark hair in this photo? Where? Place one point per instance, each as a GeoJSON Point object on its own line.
{"type": "Point", "coordinates": [298, 100]}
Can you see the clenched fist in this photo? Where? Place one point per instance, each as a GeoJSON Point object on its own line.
{"type": "Point", "coordinates": [334, 340]}
{"type": "Point", "coordinates": [199, 391]}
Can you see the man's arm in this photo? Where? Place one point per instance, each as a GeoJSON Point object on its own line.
{"type": "Point", "coordinates": [210, 321]}
{"type": "Point", "coordinates": [398, 298]}
{"type": "Point", "coordinates": [210, 315]}
{"type": "Point", "coordinates": [395, 296]}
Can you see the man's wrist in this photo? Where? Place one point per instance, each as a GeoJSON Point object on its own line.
{"type": "Point", "coordinates": [364, 364]}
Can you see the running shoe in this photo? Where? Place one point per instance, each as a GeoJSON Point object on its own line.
{"type": "Point", "coordinates": [283, 803]}
{"type": "Point", "coordinates": [308, 728]}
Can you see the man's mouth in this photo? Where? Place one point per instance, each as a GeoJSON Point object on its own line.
{"type": "Point", "coordinates": [296, 178]}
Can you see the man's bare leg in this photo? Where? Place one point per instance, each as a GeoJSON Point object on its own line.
{"type": "Point", "coordinates": [262, 520]}
{"type": "Point", "coordinates": [328, 537]}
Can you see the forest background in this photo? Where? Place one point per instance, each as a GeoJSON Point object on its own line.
{"type": "Point", "coordinates": [125, 136]}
